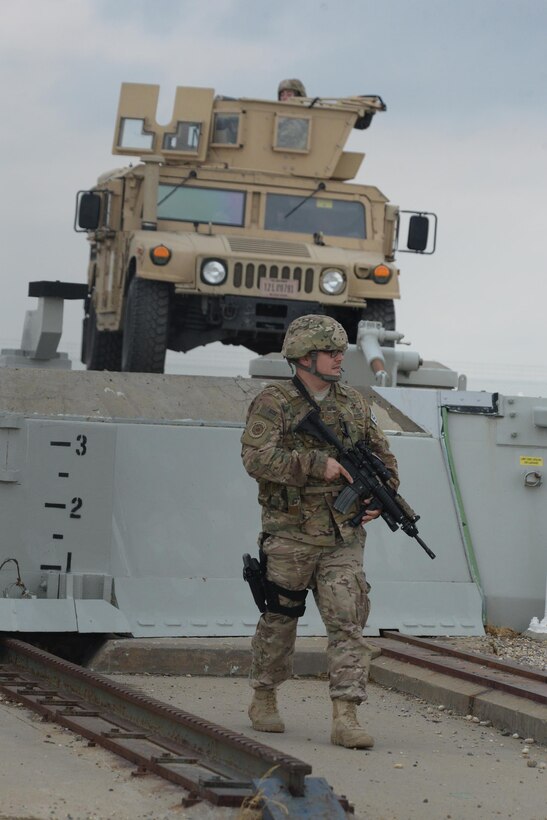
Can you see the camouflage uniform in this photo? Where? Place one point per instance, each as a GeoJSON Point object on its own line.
{"type": "Point", "coordinates": [307, 542]}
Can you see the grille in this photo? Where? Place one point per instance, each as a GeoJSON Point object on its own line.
{"type": "Point", "coordinates": [241, 245]}
{"type": "Point", "coordinates": [247, 275]}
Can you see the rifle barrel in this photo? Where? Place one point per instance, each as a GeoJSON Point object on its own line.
{"type": "Point", "coordinates": [424, 546]}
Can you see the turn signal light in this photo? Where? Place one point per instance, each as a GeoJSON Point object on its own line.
{"type": "Point", "coordinates": [160, 255]}
{"type": "Point", "coordinates": [381, 274]}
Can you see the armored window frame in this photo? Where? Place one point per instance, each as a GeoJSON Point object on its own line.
{"type": "Point", "coordinates": [228, 114]}
{"type": "Point", "coordinates": [278, 120]}
{"type": "Point", "coordinates": [192, 127]}
{"type": "Point", "coordinates": [139, 149]}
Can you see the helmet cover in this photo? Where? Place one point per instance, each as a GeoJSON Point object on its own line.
{"type": "Point", "coordinates": [313, 332]}
{"type": "Point", "coordinates": [292, 85]}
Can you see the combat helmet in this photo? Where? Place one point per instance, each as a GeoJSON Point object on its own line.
{"type": "Point", "coordinates": [292, 85]}
{"type": "Point", "coordinates": [311, 333]}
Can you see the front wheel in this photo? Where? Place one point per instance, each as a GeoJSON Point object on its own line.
{"type": "Point", "coordinates": [101, 349]}
{"type": "Point", "coordinates": [383, 311]}
{"type": "Point", "coordinates": [380, 310]}
{"type": "Point", "coordinates": [377, 310]}
{"type": "Point", "coordinates": [145, 326]}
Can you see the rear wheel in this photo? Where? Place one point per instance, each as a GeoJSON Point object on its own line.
{"type": "Point", "coordinates": [101, 349]}
{"type": "Point", "coordinates": [145, 326]}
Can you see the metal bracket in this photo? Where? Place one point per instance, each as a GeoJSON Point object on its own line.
{"type": "Point", "coordinates": [317, 803]}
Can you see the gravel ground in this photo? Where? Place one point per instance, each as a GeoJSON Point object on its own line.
{"type": "Point", "coordinates": [507, 645]}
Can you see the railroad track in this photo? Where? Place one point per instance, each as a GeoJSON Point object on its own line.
{"type": "Point", "coordinates": [484, 670]}
{"type": "Point", "coordinates": [211, 762]}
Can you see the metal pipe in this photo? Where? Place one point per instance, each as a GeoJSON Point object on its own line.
{"type": "Point", "coordinates": [462, 517]}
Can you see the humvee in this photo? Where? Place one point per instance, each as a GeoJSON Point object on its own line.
{"type": "Point", "coordinates": [239, 217]}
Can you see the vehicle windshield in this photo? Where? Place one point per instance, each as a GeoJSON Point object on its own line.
{"type": "Point", "coordinates": [334, 217]}
{"type": "Point", "coordinates": [191, 204]}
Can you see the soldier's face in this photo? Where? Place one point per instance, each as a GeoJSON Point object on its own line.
{"type": "Point", "coordinates": [329, 362]}
{"type": "Point", "coordinates": [286, 94]}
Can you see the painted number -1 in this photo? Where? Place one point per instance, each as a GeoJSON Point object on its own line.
{"type": "Point", "coordinates": [81, 450]}
{"type": "Point", "coordinates": [76, 505]}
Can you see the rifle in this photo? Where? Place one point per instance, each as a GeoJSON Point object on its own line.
{"type": "Point", "coordinates": [370, 480]}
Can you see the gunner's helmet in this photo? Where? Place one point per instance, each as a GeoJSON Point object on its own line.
{"type": "Point", "coordinates": [292, 85]}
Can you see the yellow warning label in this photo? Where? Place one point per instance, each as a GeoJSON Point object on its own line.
{"type": "Point", "coordinates": [324, 203]}
{"type": "Point", "coordinates": [531, 461]}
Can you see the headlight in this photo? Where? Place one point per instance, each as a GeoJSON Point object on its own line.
{"type": "Point", "coordinates": [332, 281]}
{"type": "Point", "coordinates": [213, 272]}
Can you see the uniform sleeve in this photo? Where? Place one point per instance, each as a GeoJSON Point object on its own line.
{"type": "Point", "coordinates": [378, 443]}
{"type": "Point", "coordinates": [265, 457]}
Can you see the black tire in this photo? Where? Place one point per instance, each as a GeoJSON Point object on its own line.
{"type": "Point", "coordinates": [101, 349]}
{"type": "Point", "coordinates": [262, 348]}
{"type": "Point", "coordinates": [377, 310]}
{"type": "Point", "coordinates": [145, 326]}
{"type": "Point", "coordinates": [380, 310]}
{"type": "Point", "coordinates": [383, 311]}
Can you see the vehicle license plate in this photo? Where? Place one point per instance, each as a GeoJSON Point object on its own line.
{"type": "Point", "coordinates": [278, 287]}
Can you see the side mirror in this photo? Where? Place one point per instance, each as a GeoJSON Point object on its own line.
{"type": "Point", "coordinates": [88, 211]}
{"type": "Point", "coordinates": [418, 232]}
{"type": "Point", "coordinates": [420, 228]}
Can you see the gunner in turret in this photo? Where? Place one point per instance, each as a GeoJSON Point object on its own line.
{"type": "Point", "coordinates": [290, 88]}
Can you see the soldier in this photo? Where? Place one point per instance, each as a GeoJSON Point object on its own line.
{"type": "Point", "coordinates": [292, 132]}
{"type": "Point", "coordinates": [290, 88]}
{"type": "Point", "coordinates": [305, 542]}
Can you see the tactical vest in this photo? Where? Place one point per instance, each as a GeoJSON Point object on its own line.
{"type": "Point", "coordinates": [287, 510]}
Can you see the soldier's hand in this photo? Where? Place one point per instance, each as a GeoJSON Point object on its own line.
{"type": "Point", "coordinates": [333, 470]}
{"type": "Point", "coordinates": [369, 515]}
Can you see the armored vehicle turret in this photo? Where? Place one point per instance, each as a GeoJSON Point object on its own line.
{"type": "Point", "coordinates": [239, 217]}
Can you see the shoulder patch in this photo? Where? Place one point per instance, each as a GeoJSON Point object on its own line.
{"type": "Point", "coordinates": [257, 429]}
{"type": "Point", "coordinates": [373, 418]}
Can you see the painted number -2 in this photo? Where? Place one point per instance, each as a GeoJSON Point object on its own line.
{"type": "Point", "coordinates": [81, 450]}
{"type": "Point", "coordinates": [76, 505]}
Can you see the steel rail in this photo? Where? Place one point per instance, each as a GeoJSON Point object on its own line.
{"type": "Point", "coordinates": [487, 671]}
{"type": "Point", "coordinates": [210, 761]}
{"type": "Point", "coordinates": [473, 657]}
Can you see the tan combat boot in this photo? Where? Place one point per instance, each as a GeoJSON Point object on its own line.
{"type": "Point", "coordinates": [263, 712]}
{"type": "Point", "coordinates": [345, 727]}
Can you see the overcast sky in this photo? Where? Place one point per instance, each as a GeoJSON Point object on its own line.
{"type": "Point", "coordinates": [464, 136]}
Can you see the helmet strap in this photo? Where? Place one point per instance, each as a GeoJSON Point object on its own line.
{"type": "Point", "coordinates": [312, 368]}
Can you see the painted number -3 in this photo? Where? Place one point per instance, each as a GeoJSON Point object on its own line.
{"type": "Point", "coordinates": [81, 450]}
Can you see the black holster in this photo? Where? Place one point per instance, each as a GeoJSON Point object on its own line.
{"type": "Point", "coordinates": [266, 593]}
